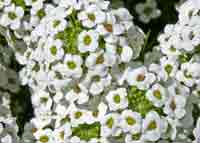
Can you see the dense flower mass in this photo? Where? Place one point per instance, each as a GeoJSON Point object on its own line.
{"type": "Point", "coordinates": [88, 84]}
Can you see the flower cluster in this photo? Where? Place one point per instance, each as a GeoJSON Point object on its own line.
{"type": "Point", "coordinates": [147, 11]}
{"type": "Point", "coordinates": [78, 58]}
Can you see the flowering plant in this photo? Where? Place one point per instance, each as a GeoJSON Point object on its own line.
{"type": "Point", "coordinates": [83, 71]}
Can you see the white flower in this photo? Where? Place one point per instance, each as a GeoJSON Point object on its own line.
{"type": "Point", "coordinates": [6, 139]}
{"type": "Point", "coordinates": [117, 99]}
{"type": "Point", "coordinates": [53, 49]}
{"type": "Point", "coordinates": [42, 99]}
{"type": "Point", "coordinates": [12, 17]}
{"type": "Point", "coordinates": [188, 73]}
{"type": "Point", "coordinates": [147, 11]}
{"type": "Point", "coordinates": [140, 77]}
{"type": "Point", "coordinates": [109, 125]}
{"type": "Point", "coordinates": [56, 24]}
{"type": "Point", "coordinates": [96, 82]}
{"type": "Point", "coordinates": [169, 67]}
{"type": "Point", "coordinates": [174, 107]}
{"type": "Point", "coordinates": [157, 95]}
{"type": "Point", "coordinates": [100, 60]}
{"type": "Point", "coordinates": [79, 93]}
{"type": "Point", "coordinates": [99, 114]}
{"type": "Point", "coordinates": [58, 96]}
{"type": "Point", "coordinates": [77, 116]}
{"type": "Point", "coordinates": [91, 16]}
{"type": "Point", "coordinates": [152, 126]}
{"type": "Point", "coordinates": [45, 135]}
{"type": "Point", "coordinates": [173, 125]}
{"type": "Point", "coordinates": [110, 29]}
{"type": "Point", "coordinates": [124, 17]}
{"type": "Point", "coordinates": [88, 41]}
{"type": "Point", "coordinates": [62, 133]}
{"type": "Point", "coordinates": [131, 121]}
{"type": "Point", "coordinates": [179, 89]}
{"type": "Point", "coordinates": [124, 52]}
{"type": "Point", "coordinates": [72, 66]}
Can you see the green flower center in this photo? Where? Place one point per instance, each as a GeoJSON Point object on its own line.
{"type": "Point", "coordinates": [152, 125]}
{"type": "Point", "coordinates": [12, 15]}
{"type": "Point", "coordinates": [117, 99]}
{"type": "Point", "coordinates": [78, 115]}
{"type": "Point", "coordinates": [77, 89]}
{"type": "Point", "coordinates": [138, 102]}
{"type": "Point", "coordinates": [157, 94]}
{"type": "Point", "coordinates": [147, 11]}
{"type": "Point", "coordinates": [41, 13]}
{"type": "Point", "coordinates": [95, 113]}
{"type": "Point", "coordinates": [56, 23]}
{"type": "Point", "coordinates": [187, 74]}
{"type": "Point", "coordinates": [87, 40]}
{"type": "Point", "coordinates": [131, 121]}
{"type": "Point", "coordinates": [172, 49]}
{"type": "Point", "coordinates": [65, 120]}
{"type": "Point", "coordinates": [71, 65]}
{"type": "Point", "coordinates": [44, 139]}
{"type": "Point", "coordinates": [36, 67]}
{"type": "Point", "coordinates": [53, 50]}
{"type": "Point", "coordinates": [119, 50]}
{"type": "Point", "coordinates": [136, 137]}
{"type": "Point", "coordinates": [62, 135]}
{"type": "Point", "coordinates": [96, 78]}
{"type": "Point", "coordinates": [44, 99]}
{"type": "Point", "coordinates": [168, 68]}
{"type": "Point", "coordinates": [110, 122]}
{"type": "Point", "coordinates": [91, 16]}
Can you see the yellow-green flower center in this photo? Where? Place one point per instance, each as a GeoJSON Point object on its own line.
{"type": "Point", "coordinates": [152, 125]}
{"type": "Point", "coordinates": [168, 68]}
{"type": "Point", "coordinates": [91, 16]}
{"type": "Point", "coordinates": [157, 94]}
{"type": "Point", "coordinates": [130, 121]}
{"type": "Point", "coordinates": [44, 139]}
{"type": "Point", "coordinates": [56, 23]}
{"type": "Point", "coordinates": [12, 15]}
{"type": "Point", "coordinates": [41, 13]}
{"type": "Point", "coordinates": [110, 122]}
{"type": "Point", "coordinates": [71, 65]}
{"type": "Point", "coordinates": [136, 137]}
{"type": "Point", "coordinates": [53, 50]}
{"type": "Point", "coordinates": [87, 40]}
{"type": "Point", "coordinates": [78, 115]}
{"type": "Point", "coordinates": [117, 99]}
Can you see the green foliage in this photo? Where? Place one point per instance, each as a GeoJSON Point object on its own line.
{"type": "Point", "coordinates": [70, 35]}
{"type": "Point", "coordinates": [19, 3]}
{"type": "Point", "coordinates": [87, 131]}
{"type": "Point", "coordinates": [139, 103]}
